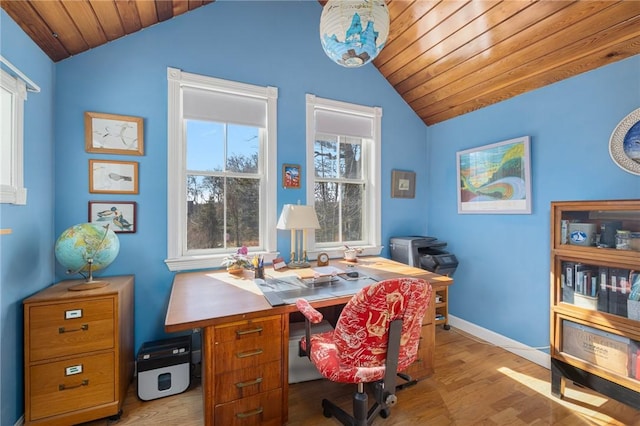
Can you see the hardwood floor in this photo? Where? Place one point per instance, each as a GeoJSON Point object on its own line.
{"type": "Point", "coordinates": [475, 383]}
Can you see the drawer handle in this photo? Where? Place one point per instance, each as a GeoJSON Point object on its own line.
{"type": "Point", "coordinates": [248, 354]}
{"type": "Point", "coordinates": [255, 412]}
{"type": "Point", "coordinates": [251, 383]}
{"type": "Point", "coordinates": [244, 332]}
{"type": "Point", "coordinates": [85, 382]}
{"type": "Point", "coordinates": [84, 327]}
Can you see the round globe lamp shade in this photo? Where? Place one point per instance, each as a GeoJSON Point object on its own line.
{"type": "Point", "coordinates": [353, 32]}
{"type": "Point", "coordinates": [86, 248]}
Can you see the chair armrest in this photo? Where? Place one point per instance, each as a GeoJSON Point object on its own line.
{"type": "Point", "coordinates": [309, 312]}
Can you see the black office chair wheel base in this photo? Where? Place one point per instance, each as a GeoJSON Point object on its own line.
{"type": "Point", "coordinates": [384, 413]}
{"type": "Point", "coordinates": [446, 326]}
{"type": "Point", "coordinates": [326, 410]}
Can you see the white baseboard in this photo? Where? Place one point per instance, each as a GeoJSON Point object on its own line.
{"type": "Point", "coordinates": [527, 352]}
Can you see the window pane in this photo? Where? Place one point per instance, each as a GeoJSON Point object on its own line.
{"type": "Point", "coordinates": [328, 210]}
{"type": "Point", "coordinates": [243, 212]}
{"type": "Point", "coordinates": [243, 148]}
{"type": "Point", "coordinates": [351, 159]}
{"type": "Point", "coordinates": [325, 155]}
{"type": "Point", "coordinates": [205, 145]}
{"type": "Point", "coordinates": [205, 212]}
{"type": "Point", "coordinates": [352, 202]}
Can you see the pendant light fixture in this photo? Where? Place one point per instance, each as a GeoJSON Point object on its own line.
{"type": "Point", "coordinates": [353, 32]}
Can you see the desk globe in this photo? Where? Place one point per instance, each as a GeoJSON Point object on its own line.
{"type": "Point", "coordinates": [86, 248]}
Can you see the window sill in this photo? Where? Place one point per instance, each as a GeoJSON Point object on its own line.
{"type": "Point", "coordinates": [187, 263]}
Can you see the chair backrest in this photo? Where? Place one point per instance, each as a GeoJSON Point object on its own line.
{"type": "Point", "coordinates": [361, 332]}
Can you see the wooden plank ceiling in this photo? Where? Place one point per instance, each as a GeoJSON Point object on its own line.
{"type": "Point", "coordinates": [445, 58]}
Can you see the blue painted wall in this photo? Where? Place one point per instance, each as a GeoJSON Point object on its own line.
{"type": "Point", "coordinates": [26, 255]}
{"type": "Point", "coordinates": [502, 282]}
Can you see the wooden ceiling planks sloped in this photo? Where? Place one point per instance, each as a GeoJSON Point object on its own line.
{"type": "Point", "coordinates": [445, 58]}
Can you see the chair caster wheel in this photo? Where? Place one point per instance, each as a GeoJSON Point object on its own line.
{"type": "Point", "coordinates": [385, 413]}
{"type": "Point", "coordinates": [325, 409]}
{"type": "Point", "coordinates": [115, 417]}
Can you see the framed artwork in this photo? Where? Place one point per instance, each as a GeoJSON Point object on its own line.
{"type": "Point", "coordinates": [113, 134]}
{"type": "Point", "coordinates": [495, 178]}
{"type": "Point", "coordinates": [121, 215]}
{"type": "Point", "coordinates": [624, 144]}
{"type": "Point", "coordinates": [113, 177]}
{"type": "Point", "coordinates": [403, 184]}
{"type": "Point", "coordinates": [291, 176]}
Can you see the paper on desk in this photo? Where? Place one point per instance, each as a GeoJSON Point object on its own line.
{"type": "Point", "coordinates": [320, 271]}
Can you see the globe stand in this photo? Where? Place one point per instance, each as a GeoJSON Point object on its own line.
{"type": "Point", "coordinates": [90, 283]}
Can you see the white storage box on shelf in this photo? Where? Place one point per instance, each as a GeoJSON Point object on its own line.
{"type": "Point", "coordinates": [301, 369]}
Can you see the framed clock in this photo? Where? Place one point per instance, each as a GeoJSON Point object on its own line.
{"type": "Point", "coordinates": [323, 259]}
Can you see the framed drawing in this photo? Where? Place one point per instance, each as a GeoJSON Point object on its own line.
{"type": "Point", "coordinates": [113, 134]}
{"type": "Point", "coordinates": [403, 184]}
{"type": "Point", "coordinates": [113, 177]}
{"type": "Point", "coordinates": [121, 215]}
{"type": "Point", "coordinates": [291, 176]}
{"type": "Point", "coordinates": [624, 144]}
{"type": "Point", "coordinates": [495, 178]}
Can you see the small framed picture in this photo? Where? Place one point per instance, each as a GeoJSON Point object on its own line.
{"type": "Point", "coordinates": [113, 134]}
{"type": "Point", "coordinates": [113, 177]}
{"type": "Point", "coordinates": [403, 184]}
{"type": "Point", "coordinates": [120, 215]}
{"type": "Point", "coordinates": [291, 176]}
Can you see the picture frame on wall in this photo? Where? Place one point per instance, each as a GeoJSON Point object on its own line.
{"type": "Point", "coordinates": [495, 178]}
{"type": "Point", "coordinates": [120, 215]}
{"type": "Point", "coordinates": [403, 184]}
{"type": "Point", "coordinates": [291, 176]}
{"type": "Point", "coordinates": [113, 177]}
{"type": "Point", "coordinates": [113, 134]}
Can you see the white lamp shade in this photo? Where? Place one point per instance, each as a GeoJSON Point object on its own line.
{"type": "Point", "coordinates": [353, 32]}
{"type": "Point", "coordinates": [295, 216]}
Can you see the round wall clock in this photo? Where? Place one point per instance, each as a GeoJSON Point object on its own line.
{"type": "Point", "coordinates": [624, 144]}
{"type": "Point", "coordinates": [323, 259]}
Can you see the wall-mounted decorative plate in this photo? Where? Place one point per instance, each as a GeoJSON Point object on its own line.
{"type": "Point", "coordinates": [624, 144]}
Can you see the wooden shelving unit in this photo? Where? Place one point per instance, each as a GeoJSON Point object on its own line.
{"type": "Point", "coordinates": [595, 328]}
{"type": "Point", "coordinates": [441, 301]}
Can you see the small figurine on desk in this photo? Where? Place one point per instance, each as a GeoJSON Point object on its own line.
{"type": "Point", "coordinates": [351, 254]}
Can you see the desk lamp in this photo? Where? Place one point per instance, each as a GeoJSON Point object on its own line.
{"type": "Point", "coordinates": [298, 219]}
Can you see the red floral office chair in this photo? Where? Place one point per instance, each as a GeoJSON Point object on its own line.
{"type": "Point", "coordinates": [375, 338]}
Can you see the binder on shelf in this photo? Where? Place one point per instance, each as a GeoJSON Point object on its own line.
{"type": "Point", "coordinates": [603, 292]}
{"type": "Point", "coordinates": [619, 280]}
{"type": "Point", "coordinates": [567, 282]}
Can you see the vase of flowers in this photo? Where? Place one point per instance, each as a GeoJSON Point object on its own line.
{"type": "Point", "coordinates": [237, 262]}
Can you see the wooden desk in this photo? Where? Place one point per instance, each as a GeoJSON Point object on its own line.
{"type": "Point", "coordinates": [245, 341]}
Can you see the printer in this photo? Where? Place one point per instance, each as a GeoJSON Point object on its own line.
{"type": "Point", "coordinates": [424, 252]}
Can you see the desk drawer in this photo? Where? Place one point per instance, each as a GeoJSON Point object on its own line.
{"type": "Point", "coordinates": [264, 409]}
{"type": "Point", "coordinates": [248, 352]}
{"type": "Point", "coordinates": [242, 330]}
{"type": "Point", "coordinates": [74, 384]}
{"type": "Point", "coordinates": [248, 381]}
{"type": "Point", "coordinates": [65, 329]}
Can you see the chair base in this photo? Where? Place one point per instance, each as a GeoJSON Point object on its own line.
{"type": "Point", "coordinates": [362, 417]}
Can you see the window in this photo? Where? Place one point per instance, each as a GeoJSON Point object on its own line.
{"type": "Point", "coordinates": [221, 169]}
{"type": "Point", "coordinates": [343, 159]}
{"type": "Point", "coordinates": [13, 93]}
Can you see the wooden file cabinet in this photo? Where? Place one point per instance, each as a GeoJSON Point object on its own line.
{"type": "Point", "coordinates": [78, 352]}
{"type": "Point", "coordinates": [249, 377]}
{"type": "Point", "coordinates": [422, 367]}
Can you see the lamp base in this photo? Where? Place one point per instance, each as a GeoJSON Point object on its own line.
{"type": "Point", "coordinates": [88, 285]}
{"type": "Point", "coordinates": [298, 265]}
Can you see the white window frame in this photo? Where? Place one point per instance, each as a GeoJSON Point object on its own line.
{"type": "Point", "coordinates": [177, 257]}
{"type": "Point", "coordinates": [14, 192]}
{"type": "Point", "coordinates": [372, 169]}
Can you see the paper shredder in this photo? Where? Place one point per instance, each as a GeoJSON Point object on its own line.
{"type": "Point", "coordinates": [164, 367]}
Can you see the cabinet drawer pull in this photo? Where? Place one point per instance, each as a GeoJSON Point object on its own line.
{"type": "Point", "coordinates": [251, 383]}
{"type": "Point", "coordinates": [244, 332]}
{"type": "Point", "coordinates": [84, 327]}
{"type": "Point", "coordinates": [248, 354]}
{"type": "Point", "coordinates": [85, 382]}
{"type": "Point", "coordinates": [255, 412]}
